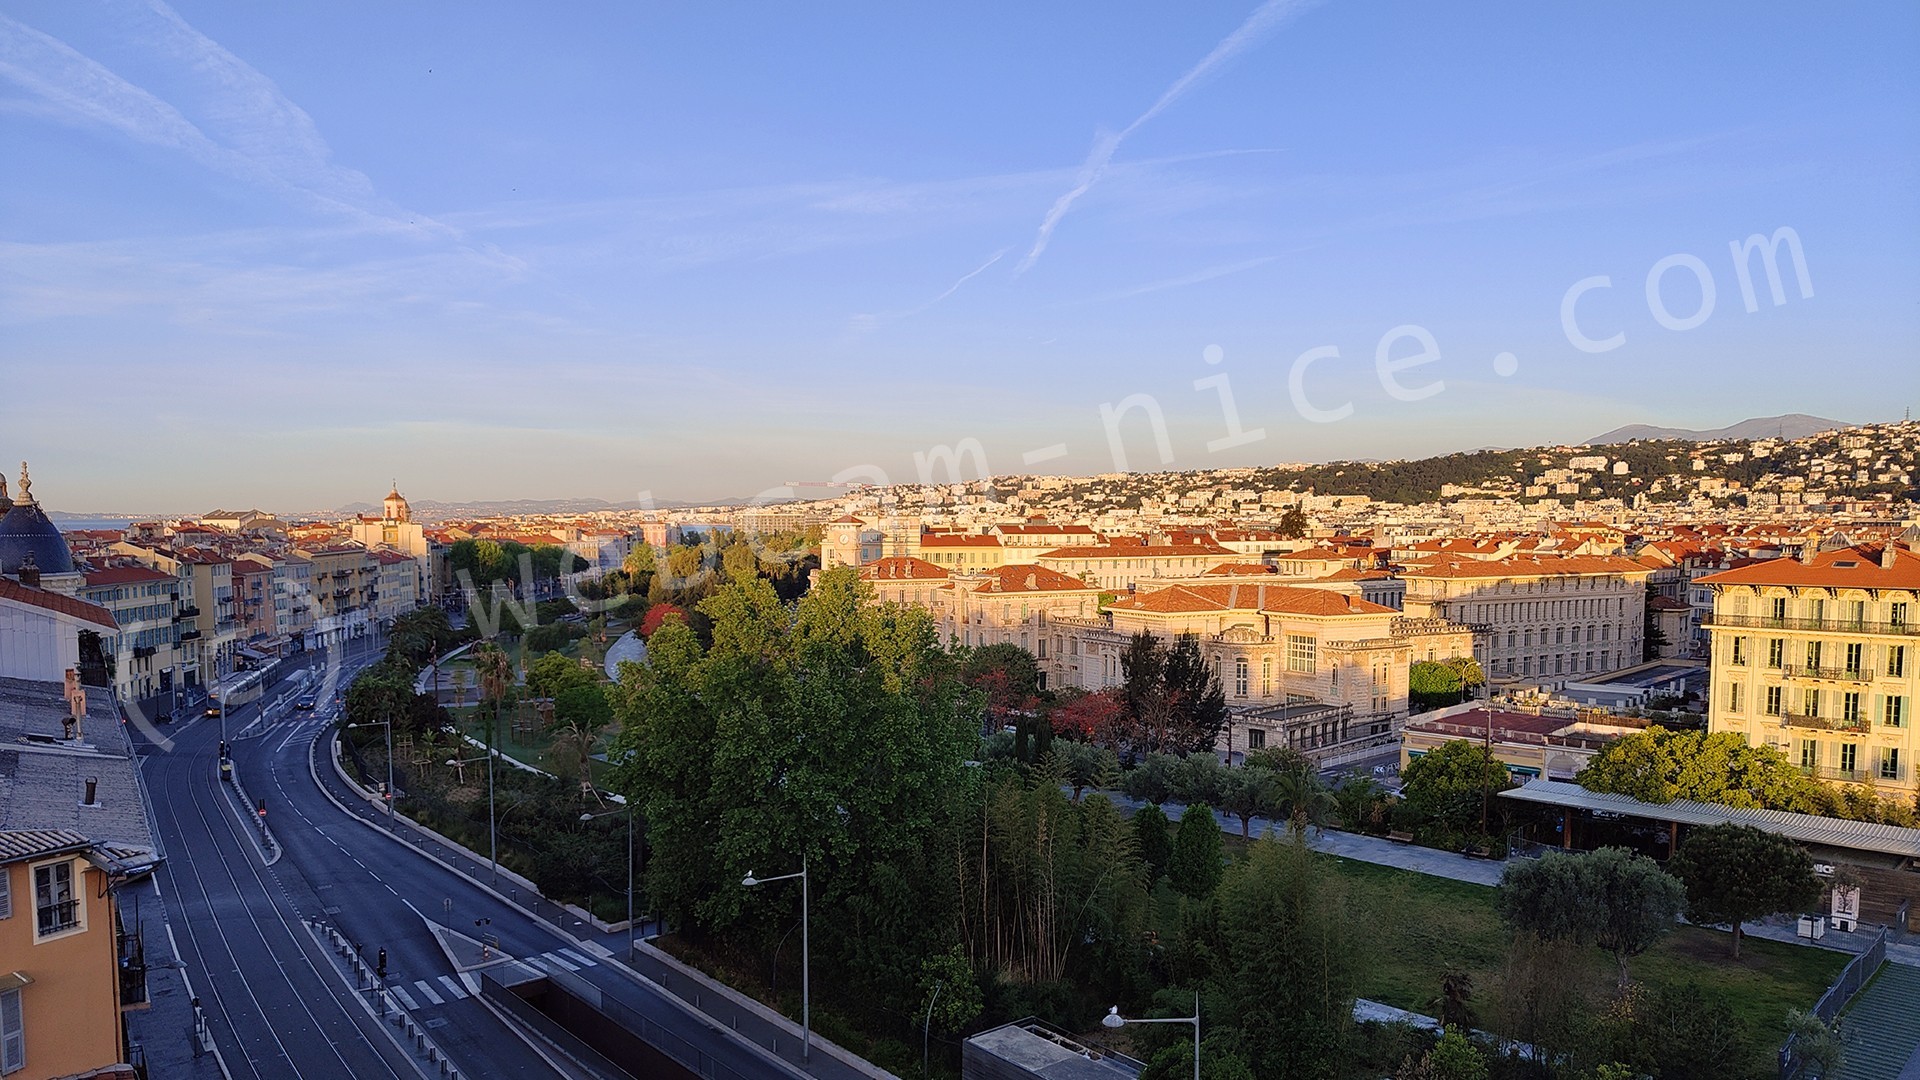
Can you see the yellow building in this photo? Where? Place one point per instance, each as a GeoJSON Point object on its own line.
{"type": "Point", "coordinates": [1816, 655]}
{"type": "Point", "coordinates": [59, 962]}
{"type": "Point", "coordinates": [343, 584]}
{"type": "Point", "coordinates": [153, 648]}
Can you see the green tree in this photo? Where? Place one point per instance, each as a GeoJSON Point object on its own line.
{"type": "Point", "coordinates": [1152, 840]}
{"type": "Point", "coordinates": [1817, 1050]}
{"type": "Point", "coordinates": [1451, 787]}
{"type": "Point", "coordinates": [552, 673]}
{"type": "Point", "coordinates": [1293, 523]}
{"type": "Point", "coordinates": [1612, 898]}
{"type": "Point", "coordinates": [1082, 766]}
{"type": "Point", "coordinates": [1652, 637]}
{"type": "Point", "coordinates": [1194, 864]}
{"type": "Point", "coordinates": [1293, 960]}
{"type": "Point", "coordinates": [1734, 873]}
{"type": "Point", "coordinates": [1432, 684]}
{"type": "Point", "coordinates": [951, 991]}
{"type": "Point", "coordinates": [1455, 1057]}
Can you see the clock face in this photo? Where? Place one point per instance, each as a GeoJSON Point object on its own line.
{"type": "Point", "coordinates": [846, 537]}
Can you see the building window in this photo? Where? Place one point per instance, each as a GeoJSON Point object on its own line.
{"type": "Point", "coordinates": [6, 893]}
{"type": "Point", "coordinates": [1776, 651]}
{"type": "Point", "coordinates": [1892, 714]}
{"type": "Point", "coordinates": [1855, 657]}
{"type": "Point", "coordinates": [13, 1033]}
{"type": "Point", "coordinates": [1773, 701]}
{"type": "Point", "coordinates": [1896, 661]}
{"type": "Point", "coordinates": [1300, 653]}
{"type": "Point", "coordinates": [1850, 706]}
{"type": "Point", "coordinates": [1739, 652]}
{"type": "Point", "coordinates": [1733, 697]}
{"type": "Point", "coordinates": [1811, 703]}
{"type": "Point", "coordinates": [1890, 763]}
{"type": "Point", "coordinates": [1240, 676]}
{"type": "Point", "coordinates": [1897, 613]}
{"type": "Point", "coordinates": [1266, 676]}
{"type": "Point", "coordinates": [1813, 654]}
{"type": "Point", "coordinates": [1849, 757]}
{"type": "Point", "coordinates": [1779, 608]}
{"type": "Point", "coordinates": [1809, 754]}
{"type": "Point", "coordinates": [55, 905]}
{"type": "Point", "coordinates": [1256, 738]}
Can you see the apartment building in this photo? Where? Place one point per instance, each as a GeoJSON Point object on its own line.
{"type": "Point", "coordinates": [396, 584]}
{"type": "Point", "coordinates": [1544, 619]}
{"type": "Point", "coordinates": [154, 648]}
{"type": "Point", "coordinates": [343, 584]}
{"type": "Point", "coordinates": [205, 584]}
{"type": "Point", "coordinates": [1013, 605]}
{"type": "Point", "coordinates": [60, 979]}
{"type": "Point", "coordinates": [1816, 655]}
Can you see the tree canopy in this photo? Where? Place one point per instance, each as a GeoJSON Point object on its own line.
{"type": "Point", "coordinates": [1612, 898]}
{"type": "Point", "coordinates": [1734, 873]}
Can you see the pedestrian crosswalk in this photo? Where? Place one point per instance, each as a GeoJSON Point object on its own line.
{"type": "Point", "coordinates": [565, 958]}
{"type": "Point", "coordinates": [435, 991]}
{"type": "Point", "coordinates": [438, 991]}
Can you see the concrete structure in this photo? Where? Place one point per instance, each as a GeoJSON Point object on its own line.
{"type": "Point", "coordinates": [1817, 656]}
{"type": "Point", "coordinates": [1031, 1050]}
{"type": "Point", "coordinates": [43, 634]}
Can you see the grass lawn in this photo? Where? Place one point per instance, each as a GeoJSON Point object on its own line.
{"type": "Point", "coordinates": [1423, 925]}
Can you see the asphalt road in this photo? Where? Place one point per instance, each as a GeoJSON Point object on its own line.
{"type": "Point", "coordinates": [276, 1006]}
{"type": "Point", "coordinates": [276, 1003]}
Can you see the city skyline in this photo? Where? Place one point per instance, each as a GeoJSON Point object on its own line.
{"type": "Point", "coordinates": [524, 256]}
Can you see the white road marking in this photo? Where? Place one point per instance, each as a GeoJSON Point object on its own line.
{"type": "Point", "coordinates": [459, 992]}
{"type": "Point", "coordinates": [562, 961]}
{"type": "Point", "coordinates": [472, 982]}
{"type": "Point", "coordinates": [426, 991]}
{"type": "Point", "coordinates": [405, 998]}
{"type": "Point", "coordinates": [575, 957]}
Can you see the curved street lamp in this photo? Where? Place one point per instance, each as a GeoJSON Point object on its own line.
{"type": "Point", "coordinates": [626, 809]}
{"type": "Point", "coordinates": [1113, 1019]}
{"type": "Point", "coordinates": [806, 1014]}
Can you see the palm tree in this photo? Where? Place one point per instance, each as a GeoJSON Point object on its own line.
{"type": "Point", "coordinates": [1304, 798]}
{"type": "Point", "coordinates": [496, 679]}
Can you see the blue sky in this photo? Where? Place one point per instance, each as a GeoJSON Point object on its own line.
{"type": "Point", "coordinates": [275, 255]}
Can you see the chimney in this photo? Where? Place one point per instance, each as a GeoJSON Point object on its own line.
{"type": "Point", "coordinates": [1887, 554]}
{"type": "Point", "coordinates": [92, 792]}
{"type": "Point", "coordinates": [29, 572]}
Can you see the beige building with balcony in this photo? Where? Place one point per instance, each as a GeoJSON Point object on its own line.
{"type": "Point", "coordinates": [343, 584]}
{"type": "Point", "coordinates": [1816, 656]}
{"type": "Point", "coordinates": [147, 652]}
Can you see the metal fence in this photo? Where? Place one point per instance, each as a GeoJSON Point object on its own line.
{"type": "Point", "coordinates": [1845, 985]}
{"type": "Point", "coordinates": [661, 1038]}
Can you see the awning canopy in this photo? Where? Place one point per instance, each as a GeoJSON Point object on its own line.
{"type": "Point", "coordinates": [1805, 828]}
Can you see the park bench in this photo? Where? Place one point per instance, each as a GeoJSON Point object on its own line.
{"type": "Point", "coordinates": [1400, 836]}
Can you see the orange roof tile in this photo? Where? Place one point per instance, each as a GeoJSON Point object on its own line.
{"type": "Point", "coordinates": [53, 601]}
{"type": "Point", "coordinates": [1856, 567]}
{"type": "Point", "coordinates": [902, 568]}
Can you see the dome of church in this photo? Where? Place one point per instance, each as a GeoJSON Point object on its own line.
{"type": "Point", "coordinates": [25, 530]}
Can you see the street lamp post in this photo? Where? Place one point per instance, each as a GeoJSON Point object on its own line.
{"type": "Point", "coordinates": [627, 810]}
{"type": "Point", "coordinates": [388, 725]}
{"type": "Point", "coordinates": [1113, 1019]}
{"type": "Point", "coordinates": [806, 1000]}
{"type": "Point", "coordinates": [493, 838]}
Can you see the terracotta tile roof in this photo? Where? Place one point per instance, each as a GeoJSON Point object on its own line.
{"type": "Point", "coordinates": [958, 540]}
{"type": "Point", "coordinates": [1136, 551]}
{"type": "Point", "coordinates": [1013, 579]}
{"type": "Point", "coordinates": [902, 568]}
{"type": "Point", "coordinates": [1240, 569]}
{"type": "Point", "coordinates": [1521, 566]}
{"type": "Point", "coordinates": [1667, 603]}
{"type": "Point", "coordinates": [123, 575]}
{"type": "Point", "coordinates": [1856, 567]}
{"type": "Point", "coordinates": [391, 557]}
{"type": "Point", "coordinates": [1275, 598]}
{"type": "Point", "coordinates": [53, 601]}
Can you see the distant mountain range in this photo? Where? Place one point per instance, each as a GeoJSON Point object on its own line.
{"type": "Point", "coordinates": [1789, 426]}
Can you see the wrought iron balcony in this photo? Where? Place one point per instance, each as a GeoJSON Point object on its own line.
{"type": "Point", "coordinates": [58, 916]}
{"type": "Point", "coordinates": [1836, 626]}
{"type": "Point", "coordinates": [1823, 723]}
{"type": "Point", "coordinates": [1830, 674]}
{"type": "Point", "coordinates": [1834, 772]}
